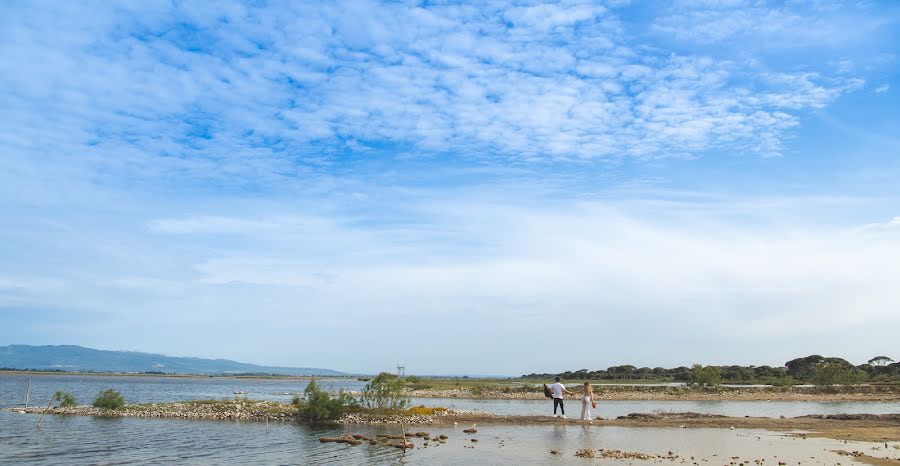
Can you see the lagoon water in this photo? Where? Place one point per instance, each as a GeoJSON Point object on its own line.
{"type": "Point", "coordinates": [77, 440]}
{"type": "Point", "coordinates": [80, 440]}
{"type": "Point", "coordinates": [148, 389]}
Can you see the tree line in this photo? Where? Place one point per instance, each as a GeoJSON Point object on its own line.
{"type": "Point", "coordinates": [810, 369]}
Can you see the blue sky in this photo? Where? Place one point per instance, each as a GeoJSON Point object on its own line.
{"type": "Point", "coordinates": [496, 188]}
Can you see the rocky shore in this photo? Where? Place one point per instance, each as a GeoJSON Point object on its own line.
{"type": "Point", "coordinates": [251, 410]}
{"type": "Point", "coordinates": [685, 393]}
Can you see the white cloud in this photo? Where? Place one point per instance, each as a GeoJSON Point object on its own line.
{"type": "Point", "coordinates": [771, 24]}
{"type": "Point", "coordinates": [681, 265]}
{"type": "Point", "coordinates": [882, 88]}
{"type": "Point", "coordinates": [157, 91]}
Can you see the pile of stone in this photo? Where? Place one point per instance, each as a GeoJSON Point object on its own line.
{"type": "Point", "coordinates": [630, 455]}
{"type": "Point", "coordinates": [412, 419]}
{"type": "Point", "coordinates": [229, 410]}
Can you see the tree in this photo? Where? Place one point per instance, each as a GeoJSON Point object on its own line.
{"type": "Point", "coordinates": [705, 376]}
{"type": "Point", "coordinates": [835, 373]}
{"type": "Point", "coordinates": [804, 368]}
{"type": "Point", "coordinates": [880, 361]}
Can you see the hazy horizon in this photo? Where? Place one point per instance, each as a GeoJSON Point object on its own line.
{"type": "Point", "coordinates": [412, 371]}
{"type": "Point", "coordinates": [494, 189]}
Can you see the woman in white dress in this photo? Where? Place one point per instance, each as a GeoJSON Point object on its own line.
{"type": "Point", "coordinates": [587, 401]}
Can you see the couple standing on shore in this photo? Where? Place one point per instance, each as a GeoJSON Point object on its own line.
{"type": "Point", "coordinates": [556, 392]}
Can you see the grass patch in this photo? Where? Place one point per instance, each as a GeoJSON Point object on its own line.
{"type": "Point", "coordinates": [425, 410]}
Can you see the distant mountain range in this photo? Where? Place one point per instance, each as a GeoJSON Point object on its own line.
{"type": "Point", "coordinates": [78, 358]}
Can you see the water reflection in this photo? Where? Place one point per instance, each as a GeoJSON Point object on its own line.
{"type": "Point", "coordinates": [90, 440]}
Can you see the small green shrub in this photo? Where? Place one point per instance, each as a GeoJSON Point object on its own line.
{"type": "Point", "coordinates": [529, 387]}
{"type": "Point", "coordinates": [385, 393]}
{"type": "Point", "coordinates": [479, 390]}
{"type": "Point", "coordinates": [321, 406]}
{"type": "Point", "coordinates": [786, 381]}
{"type": "Point", "coordinates": [109, 399]}
{"type": "Point", "coordinates": [65, 399]}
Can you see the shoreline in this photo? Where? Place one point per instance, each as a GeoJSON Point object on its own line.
{"type": "Point", "coordinates": [481, 389]}
{"type": "Point", "coordinates": [885, 393]}
{"type": "Point", "coordinates": [861, 427]}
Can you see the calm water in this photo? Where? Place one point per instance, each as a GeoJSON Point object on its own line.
{"type": "Point", "coordinates": [158, 389]}
{"type": "Point", "coordinates": [77, 440]}
{"type": "Point", "coordinates": [82, 440]}
{"type": "Point", "coordinates": [161, 389]}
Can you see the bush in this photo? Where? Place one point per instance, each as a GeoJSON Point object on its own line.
{"type": "Point", "coordinates": [786, 381]}
{"type": "Point", "coordinates": [837, 374]}
{"type": "Point", "coordinates": [385, 393]}
{"type": "Point", "coordinates": [425, 411]}
{"type": "Point", "coordinates": [321, 406]}
{"type": "Point", "coordinates": [109, 399]}
{"type": "Point", "coordinates": [708, 376]}
{"type": "Point", "coordinates": [65, 399]}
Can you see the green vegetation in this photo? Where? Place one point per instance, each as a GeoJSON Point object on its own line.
{"type": "Point", "coordinates": [413, 382]}
{"type": "Point", "coordinates": [705, 376]}
{"type": "Point", "coordinates": [65, 399]}
{"type": "Point", "coordinates": [881, 369]}
{"type": "Point", "coordinates": [385, 393]}
{"type": "Point", "coordinates": [321, 405]}
{"type": "Point", "coordinates": [786, 381]}
{"type": "Point", "coordinates": [880, 361]}
{"type": "Point", "coordinates": [109, 399]}
{"type": "Point", "coordinates": [835, 373]}
{"type": "Point", "coordinates": [425, 411]}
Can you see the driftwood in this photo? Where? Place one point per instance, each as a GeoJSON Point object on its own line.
{"type": "Point", "coordinates": [342, 439]}
{"type": "Point", "coordinates": [38, 426]}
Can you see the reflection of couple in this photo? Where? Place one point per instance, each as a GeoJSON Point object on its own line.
{"type": "Point", "coordinates": [587, 399]}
